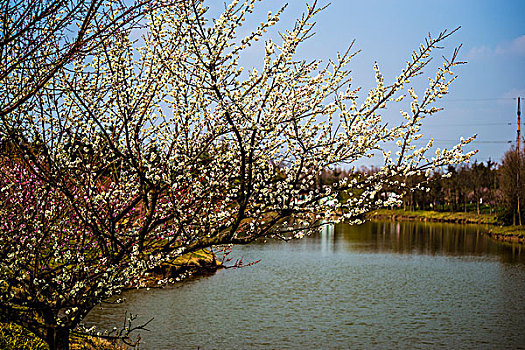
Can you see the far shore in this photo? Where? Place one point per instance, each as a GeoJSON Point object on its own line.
{"type": "Point", "coordinates": [494, 230]}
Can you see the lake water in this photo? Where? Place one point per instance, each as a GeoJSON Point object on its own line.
{"type": "Point", "coordinates": [381, 285]}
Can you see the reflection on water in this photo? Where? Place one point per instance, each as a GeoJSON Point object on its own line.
{"type": "Point", "coordinates": [416, 238]}
{"type": "Point", "coordinates": [381, 285]}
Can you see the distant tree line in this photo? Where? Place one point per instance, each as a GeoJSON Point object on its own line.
{"type": "Point", "coordinates": [476, 187]}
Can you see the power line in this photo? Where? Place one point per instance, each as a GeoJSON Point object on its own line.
{"type": "Point", "coordinates": [501, 123]}
{"type": "Point", "coordinates": [481, 99]}
{"type": "Point", "coordinates": [473, 141]}
{"type": "Point", "coordinates": [457, 141]}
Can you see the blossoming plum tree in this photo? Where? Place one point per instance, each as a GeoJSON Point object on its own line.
{"type": "Point", "coordinates": [38, 38]}
{"type": "Point", "coordinates": [146, 149]}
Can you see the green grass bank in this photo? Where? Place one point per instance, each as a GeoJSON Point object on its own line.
{"type": "Point", "coordinates": [494, 230]}
{"type": "Point", "coordinates": [508, 233]}
{"type": "Point", "coordinates": [437, 216]}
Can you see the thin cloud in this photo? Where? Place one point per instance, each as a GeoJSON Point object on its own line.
{"type": "Point", "coordinates": [478, 52]}
{"type": "Point", "coordinates": [514, 47]}
{"type": "Point", "coordinates": [513, 93]}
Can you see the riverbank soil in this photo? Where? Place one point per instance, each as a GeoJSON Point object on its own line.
{"type": "Point", "coordinates": [199, 263]}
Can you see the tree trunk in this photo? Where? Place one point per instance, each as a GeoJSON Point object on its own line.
{"type": "Point", "coordinates": [57, 338]}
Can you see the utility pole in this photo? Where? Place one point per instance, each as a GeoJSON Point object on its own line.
{"type": "Point", "coordinates": [518, 184]}
{"type": "Point", "coordinates": [518, 131]}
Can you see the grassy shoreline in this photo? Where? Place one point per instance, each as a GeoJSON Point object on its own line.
{"type": "Point", "coordinates": [495, 230]}
{"type": "Point", "coordinates": [508, 233]}
{"type": "Point", "coordinates": [427, 215]}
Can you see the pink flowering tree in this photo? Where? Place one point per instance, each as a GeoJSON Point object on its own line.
{"type": "Point", "coordinates": [49, 259]}
{"type": "Point", "coordinates": [146, 149]}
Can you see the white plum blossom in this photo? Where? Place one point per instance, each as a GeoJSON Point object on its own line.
{"type": "Point", "coordinates": [142, 150]}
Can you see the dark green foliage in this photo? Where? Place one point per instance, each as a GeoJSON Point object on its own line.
{"type": "Point", "coordinates": [512, 188]}
{"type": "Point", "coordinates": [483, 188]}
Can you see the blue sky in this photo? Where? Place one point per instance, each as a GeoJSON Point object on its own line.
{"type": "Point", "coordinates": [483, 99]}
